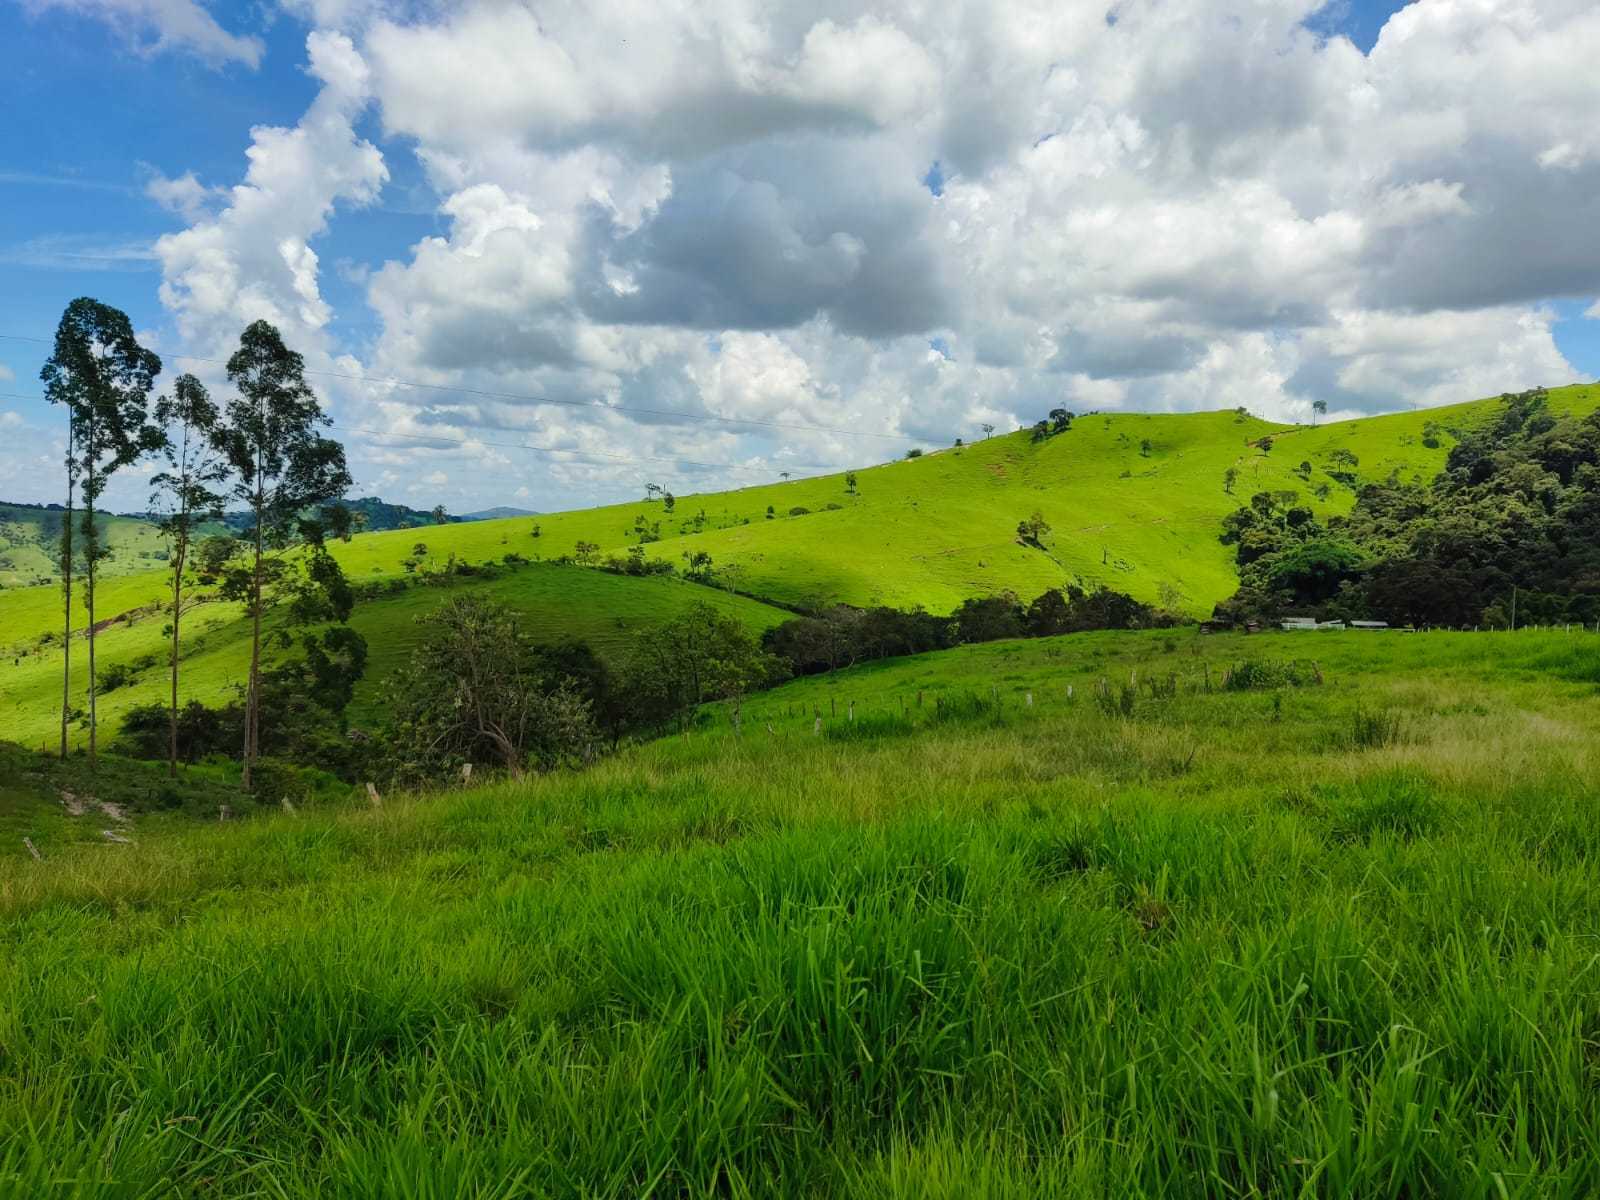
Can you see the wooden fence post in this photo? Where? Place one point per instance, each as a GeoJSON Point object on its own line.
{"type": "Point", "coordinates": [372, 795]}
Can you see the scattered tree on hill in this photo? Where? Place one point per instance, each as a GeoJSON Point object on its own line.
{"type": "Point", "coordinates": [1145, 447]}
{"type": "Point", "coordinates": [282, 466]}
{"type": "Point", "coordinates": [1319, 408]}
{"type": "Point", "coordinates": [987, 430]}
{"type": "Point", "coordinates": [783, 475]}
{"type": "Point", "coordinates": [439, 515]}
{"type": "Point", "coordinates": [103, 375]}
{"type": "Point", "coordinates": [184, 496]}
{"type": "Point", "coordinates": [850, 482]}
{"type": "Point", "coordinates": [1266, 445]}
{"type": "Point", "coordinates": [1229, 478]}
{"type": "Point", "coordinates": [1039, 432]}
{"type": "Point", "coordinates": [584, 553]}
{"type": "Point", "coordinates": [1304, 469]}
{"type": "Point", "coordinates": [668, 501]}
{"type": "Point", "coordinates": [1060, 420]}
{"type": "Point", "coordinates": [914, 452]}
{"type": "Point", "coordinates": [1031, 531]}
{"type": "Point", "coordinates": [697, 566]}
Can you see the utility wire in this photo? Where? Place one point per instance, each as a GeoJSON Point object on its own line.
{"type": "Point", "coordinates": [481, 393]}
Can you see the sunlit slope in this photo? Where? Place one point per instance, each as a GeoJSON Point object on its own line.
{"type": "Point", "coordinates": [555, 603]}
{"type": "Point", "coordinates": [30, 540]}
{"type": "Point", "coordinates": [929, 531]}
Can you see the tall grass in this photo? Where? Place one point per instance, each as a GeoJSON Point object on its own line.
{"type": "Point", "coordinates": [1043, 955]}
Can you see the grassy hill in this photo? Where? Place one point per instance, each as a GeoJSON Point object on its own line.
{"type": "Point", "coordinates": [556, 602]}
{"type": "Point", "coordinates": [1325, 940]}
{"type": "Point", "coordinates": [30, 540]}
{"type": "Point", "coordinates": [1135, 501]}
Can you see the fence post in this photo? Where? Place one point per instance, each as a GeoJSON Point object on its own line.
{"type": "Point", "coordinates": [37, 857]}
{"type": "Point", "coordinates": [816, 728]}
{"type": "Point", "coordinates": [1029, 700]}
{"type": "Point", "coordinates": [372, 795]}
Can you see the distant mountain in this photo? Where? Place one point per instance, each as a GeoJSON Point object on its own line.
{"type": "Point", "coordinates": [498, 512]}
{"type": "Point", "coordinates": [379, 514]}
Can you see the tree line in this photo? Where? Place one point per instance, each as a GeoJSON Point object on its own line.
{"type": "Point", "coordinates": [1508, 532]}
{"type": "Point", "coordinates": [261, 448]}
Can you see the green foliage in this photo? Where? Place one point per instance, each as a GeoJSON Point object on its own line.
{"type": "Point", "coordinates": [476, 691]}
{"type": "Point", "coordinates": [1266, 673]}
{"type": "Point", "coordinates": [699, 655]}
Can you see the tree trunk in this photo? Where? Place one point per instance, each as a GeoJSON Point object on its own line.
{"type": "Point", "coordinates": [177, 615]}
{"type": "Point", "coordinates": [253, 697]}
{"type": "Point", "coordinates": [66, 579]}
{"type": "Point", "coordinates": [91, 539]}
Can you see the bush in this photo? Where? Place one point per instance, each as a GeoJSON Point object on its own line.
{"type": "Point", "coordinates": [1266, 673]}
{"type": "Point", "coordinates": [798, 511]}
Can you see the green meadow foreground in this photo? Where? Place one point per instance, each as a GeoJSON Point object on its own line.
{"type": "Point", "coordinates": [1279, 937]}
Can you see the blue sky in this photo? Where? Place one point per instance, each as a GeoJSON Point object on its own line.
{"type": "Point", "coordinates": [788, 257]}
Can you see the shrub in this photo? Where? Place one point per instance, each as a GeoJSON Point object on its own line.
{"type": "Point", "coordinates": [800, 511]}
{"type": "Point", "coordinates": [1261, 674]}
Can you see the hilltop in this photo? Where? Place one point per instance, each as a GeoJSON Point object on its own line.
{"type": "Point", "coordinates": [1133, 501]}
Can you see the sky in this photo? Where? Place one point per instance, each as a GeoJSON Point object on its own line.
{"type": "Point", "coordinates": [542, 254]}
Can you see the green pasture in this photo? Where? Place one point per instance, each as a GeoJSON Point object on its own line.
{"type": "Point", "coordinates": [1335, 939]}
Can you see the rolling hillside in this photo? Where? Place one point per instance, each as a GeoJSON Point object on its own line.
{"type": "Point", "coordinates": [1134, 501]}
{"type": "Point", "coordinates": [30, 539]}
{"type": "Point", "coordinates": [555, 602]}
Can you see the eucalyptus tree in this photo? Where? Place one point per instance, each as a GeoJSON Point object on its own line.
{"type": "Point", "coordinates": [103, 376]}
{"type": "Point", "coordinates": [184, 497]}
{"type": "Point", "coordinates": [281, 465]}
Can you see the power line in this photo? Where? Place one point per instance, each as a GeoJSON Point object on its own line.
{"type": "Point", "coordinates": [676, 414]}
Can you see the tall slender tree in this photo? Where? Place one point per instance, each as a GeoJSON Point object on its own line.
{"type": "Point", "coordinates": [282, 467]}
{"type": "Point", "coordinates": [103, 376]}
{"type": "Point", "coordinates": [184, 496]}
{"type": "Point", "coordinates": [66, 581]}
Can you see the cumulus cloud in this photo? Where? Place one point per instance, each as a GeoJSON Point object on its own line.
{"type": "Point", "coordinates": [253, 259]}
{"type": "Point", "coordinates": [909, 219]}
{"type": "Point", "coordinates": [158, 25]}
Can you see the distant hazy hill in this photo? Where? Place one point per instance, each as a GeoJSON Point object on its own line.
{"type": "Point", "coordinates": [30, 537]}
{"type": "Point", "coordinates": [498, 513]}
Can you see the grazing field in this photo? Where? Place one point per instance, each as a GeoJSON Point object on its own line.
{"type": "Point", "coordinates": [30, 551]}
{"type": "Point", "coordinates": [554, 602]}
{"type": "Point", "coordinates": [932, 531]}
{"type": "Point", "coordinates": [1284, 915]}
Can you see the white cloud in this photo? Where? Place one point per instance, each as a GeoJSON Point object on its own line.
{"type": "Point", "coordinates": [186, 196]}
{"type": "Point", "coordinates": [253, 259]}
{"type": "Point", "coordinates": [157, 25]}
{"type": "Point", "coordinates": [10, 420]}
{"type": "Point", "coordinates": [6, 374]}
{"type": "Point", "coordinates": [719, 209]}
